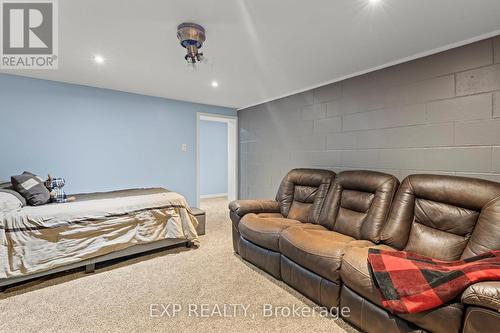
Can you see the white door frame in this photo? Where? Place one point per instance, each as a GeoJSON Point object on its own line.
{"type": "Point", "coordinates": [232, 152]}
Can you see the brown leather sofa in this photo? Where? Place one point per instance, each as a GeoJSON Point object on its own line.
{"type": "Point", "coordinates": [315, 237]}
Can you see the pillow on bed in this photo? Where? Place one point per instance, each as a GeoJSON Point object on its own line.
{"type": "Point", "coordinates": [14, 193]}
{"type": "Point", "coordinates": [9, 202]}
{"type": "Point", "coordinates": [32, 188]}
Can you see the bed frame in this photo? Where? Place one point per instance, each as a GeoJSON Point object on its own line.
{"type": "Point", "coordinates": [89, 264]}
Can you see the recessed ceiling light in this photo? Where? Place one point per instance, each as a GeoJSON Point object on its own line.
{"type": "Point", "coordinates": [374, 2]}
{"type": "Point", "coordinates": [215, 84]}
{"type": "Point", "coordinates": [99, 59]}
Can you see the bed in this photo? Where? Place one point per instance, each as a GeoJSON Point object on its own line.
{"type": "Point", "coordinates": [41, 240]}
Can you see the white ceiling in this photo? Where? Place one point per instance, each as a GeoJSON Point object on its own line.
{"type": "Point", "coordinates": [257, 49]}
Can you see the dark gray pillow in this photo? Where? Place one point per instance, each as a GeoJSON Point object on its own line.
{"type": "Point", "coordinates": [16, 194]}
{"type": "Point", "coordinates": [32, 188]}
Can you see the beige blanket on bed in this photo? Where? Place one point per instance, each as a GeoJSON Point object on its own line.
{"type": "Point", "coordinates": [35, 239]}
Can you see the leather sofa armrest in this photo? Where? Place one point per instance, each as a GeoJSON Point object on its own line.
{"type": "Point", "coordinates": [483, 294]}
{"type": "Point", "coordinates": [242, 207]}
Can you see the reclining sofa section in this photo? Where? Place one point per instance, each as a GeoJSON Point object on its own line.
{"type": "Point", "coordinates": [299, 201]}
{"type": "Point", "coordinates": [315, 237]}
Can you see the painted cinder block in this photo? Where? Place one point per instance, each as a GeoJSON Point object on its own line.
{"type": "Point", "coordinates": [313, 112]}
{"type": "Point", "coordinates": [425, 91]}
{"type": "Point", "coordinates": [294, 127]}
{"type": "Point", "coordinates": [472, 159]}
{"type": "Point", "coordinates": [482, 132]}
{"type": "Point", "coordinates": [455, 60]}
{"type": "Point", "coordinates": [345, 140]}
{"type": "Point", "coordinates": [327, 93]}
{"type": "Point", "coordinates": [393, 117]}
{"type": "Point", "coordinates": [257, 175]}
{"type": "Point", "coordinates": [435, 135]}
{"type": "Point", "coordinates": [260, 157]}
{"type": "Point", "coordinates": [459, 109]}
{"type": "Point", "coordinates": [496, 159]}
{"type": "Point", "coordinates": [311, 142]}
{"type": "Point", "coordinates": [478, 80]}
{"type": "Point", "coordinates": [367, 159]}
{"type": "Point", "coordinates": [293, 103]}
{"type": "Point", "coordinates": [261, 192]}
{"type": "Point", "coordinates": [448, 62]}
{"type": "Point", "coordinates": [328, 125]}
{"type": "Point", "coordinates": [382, 97]}
{"type": "Point", "coordinates": [317, 158]}
{"type": "Point", "coordinates": [497, 49]}
{"type": "Point", "coordinates": [496, 105]}
{"type": "Point", "coordinates": [342, 106]}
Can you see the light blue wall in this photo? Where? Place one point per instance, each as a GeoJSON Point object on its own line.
{"type": "Point", "coordinates": [98, 139]}
{"type": "Point", "coordinates": [213, 157]}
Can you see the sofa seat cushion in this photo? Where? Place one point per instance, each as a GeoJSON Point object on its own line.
{"type": "Point", "coordinates": [270, 215]}
{"type": "Point", "coordinates": [355, 274]}
{"type": "Point", "coordinates": [318, 249]}
{"type": "Point", "coordinates": [264, 231]}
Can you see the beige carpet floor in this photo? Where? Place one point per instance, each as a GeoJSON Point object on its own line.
{"type": "Point", "coordinates": [119, 296]}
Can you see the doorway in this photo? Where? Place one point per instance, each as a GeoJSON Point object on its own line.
{"type": "Point", "coordinates": [216, 157]}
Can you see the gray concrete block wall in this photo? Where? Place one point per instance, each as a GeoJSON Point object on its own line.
{"type": "Point", "coordinates": [497, 50]}
{"type": "Point", "coordinates": [439, 114]}
{"type": "Point", "coordinates": [496, 102]}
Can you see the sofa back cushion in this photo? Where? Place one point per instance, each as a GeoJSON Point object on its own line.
{"type": "Point", "coordinates": [302, 193]}
{"type": "Point", "coordinates": [358, 203]}
{"type": "Point", "coordinates": [445, 217]}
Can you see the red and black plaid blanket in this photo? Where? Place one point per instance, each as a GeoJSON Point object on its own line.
{"type": "Point", "coordinates": [410, 283]}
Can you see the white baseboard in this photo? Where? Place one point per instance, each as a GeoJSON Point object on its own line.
{"type": "Point", "coordinates": [216, 195]}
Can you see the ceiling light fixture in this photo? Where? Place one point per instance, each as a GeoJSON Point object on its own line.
{"type": "Point", "coordinates": [215, 84]}
{"type": "Point", "coordinates": [99, 59]}
{"type": "Point", "coordinates": [191, 36]}
{"type": "Point", "coordinates": [374, 2]}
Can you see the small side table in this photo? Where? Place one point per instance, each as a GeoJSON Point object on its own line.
{"type": "Point", "coordinates": [201, 217]}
